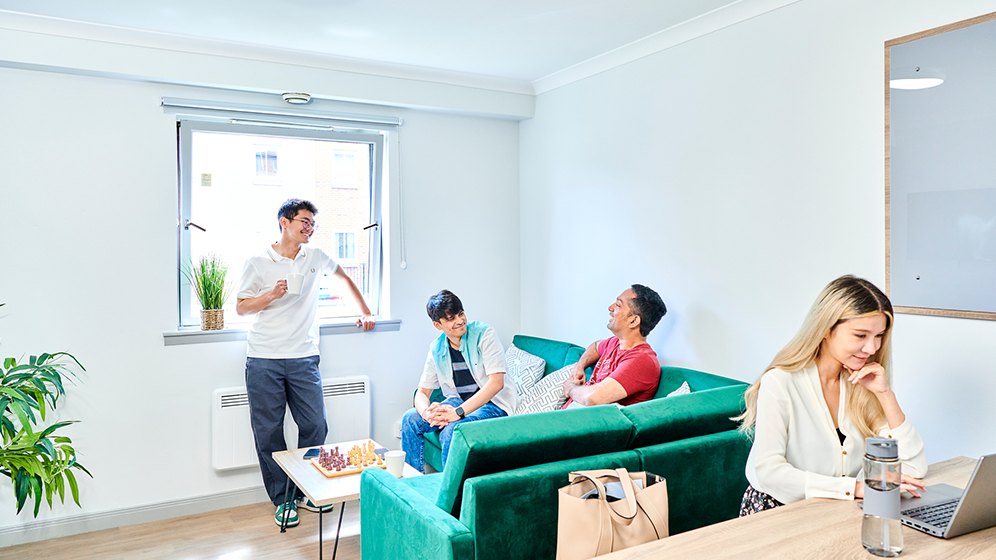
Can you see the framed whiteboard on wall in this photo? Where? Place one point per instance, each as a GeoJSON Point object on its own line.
{"type": "Point", "coordinates": [940, 163]}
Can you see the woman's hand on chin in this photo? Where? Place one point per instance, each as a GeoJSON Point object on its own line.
{"type": "Point", "coordinates": [871, 376]}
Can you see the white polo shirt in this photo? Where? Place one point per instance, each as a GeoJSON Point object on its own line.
{"type": "Point", "coordinates": [288, 327]}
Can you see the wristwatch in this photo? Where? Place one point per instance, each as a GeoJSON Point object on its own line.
{"type": "Point", "coordinates": [459, 411]}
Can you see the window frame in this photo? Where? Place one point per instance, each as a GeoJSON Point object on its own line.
{"type": "Point", "coordinates": [376, 140]}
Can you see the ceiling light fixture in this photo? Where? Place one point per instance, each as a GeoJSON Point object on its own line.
{"type": "Point", "coordinates": [296, 98]}
{"type": "Point", "coordinates": [915, 78]}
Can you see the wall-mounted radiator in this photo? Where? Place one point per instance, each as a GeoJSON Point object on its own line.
{"type": "Point", "coordinates": [347, 411]}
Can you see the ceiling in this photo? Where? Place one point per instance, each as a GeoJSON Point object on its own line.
{"type": "Point", "coordinates": [513, 39]}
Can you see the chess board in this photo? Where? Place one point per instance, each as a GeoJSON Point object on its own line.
{"type": "Point", "coordinates": [344, 472]}
{"type": "Point", "coordinates": [332, 462]}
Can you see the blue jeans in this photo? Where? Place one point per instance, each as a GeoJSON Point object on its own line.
{"type": "Point", "coordinates": [413, 426]}
{"type": "Point", "coordinates": [272, 386]}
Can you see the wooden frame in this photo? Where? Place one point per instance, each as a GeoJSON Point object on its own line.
{"type": "Point", "coordinates": [888, 223]}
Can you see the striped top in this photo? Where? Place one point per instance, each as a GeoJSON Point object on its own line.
{"type": "Point", "coordinates": [463, 378]}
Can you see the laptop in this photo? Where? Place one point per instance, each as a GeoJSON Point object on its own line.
{"type": "Point", "coordinates": [945, 511]}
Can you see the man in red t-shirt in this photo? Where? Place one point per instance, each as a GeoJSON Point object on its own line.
{"type": "Point", "coordinates": [627, 370]}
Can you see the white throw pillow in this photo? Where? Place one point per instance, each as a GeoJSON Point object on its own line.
{"type": "Point", "coordinates": [683, 390]}
{"type": "Point", "coordinates": [547, 394]}
{"type": "Point", "coordinates": [524, 369]}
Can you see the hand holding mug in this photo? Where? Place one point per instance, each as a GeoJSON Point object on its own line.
{"type": "Point", "coordinates": [279, 289]}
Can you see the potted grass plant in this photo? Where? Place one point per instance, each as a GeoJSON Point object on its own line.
{"type": "Point", "coordinates": [37, 460]}
{"type": "Point", "coordinates": [207, 276]}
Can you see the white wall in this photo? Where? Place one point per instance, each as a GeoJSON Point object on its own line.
{"type": "Point", "coordinates": [737, 174]}
{"type": "Point", "coordinates": [88, 250]}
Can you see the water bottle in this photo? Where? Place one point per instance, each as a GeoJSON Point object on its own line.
{"type": "Point", "coordinates": [881, 530]}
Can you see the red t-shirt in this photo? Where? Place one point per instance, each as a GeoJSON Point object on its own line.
{"type": "Point", "coordinates": [636, 369]}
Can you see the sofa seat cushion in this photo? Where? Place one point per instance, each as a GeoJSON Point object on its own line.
{"type": "Point", "coordinates": [501, 444]}
{"type": "Point", "coordinates": [705, 477]}
{"type": "Point", "coordinates": [513, 514]}
{"type": "Point", "coordinates": [684, 416]}
{"type": "Point", "coordinates": [433, 453]}
{"type": "Point", "coordinates": [427, 485]}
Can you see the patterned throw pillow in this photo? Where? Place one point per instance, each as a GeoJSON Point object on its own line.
{"type": "Point", "coordinates": [524, 369]}
{"type": "Point", "coordinates": [547, 394]}
{"type": "Point", "coordinates": [683, 390]}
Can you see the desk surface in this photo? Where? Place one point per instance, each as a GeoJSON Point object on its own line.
{"type": "Point", "coordinates": [320, 490]}
{"type": "Point", "coordinates": [816, 528]}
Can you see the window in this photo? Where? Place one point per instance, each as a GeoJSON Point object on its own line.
{"type": "Point", "coordinates": [236, 203]}
{"type": "Point", "coordinates": [266, 164]}
{"type": "Point", "coordinates": [345, 244]}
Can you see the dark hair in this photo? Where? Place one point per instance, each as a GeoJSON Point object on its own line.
{"type": "Point", "coordinates": [444, 305]}
{"type": "Point", "coordinates": [649, 306]}
{"type": "Point", "coordinates": [863, 298]}
{"type": "Point", "coordinates": [290, 209]}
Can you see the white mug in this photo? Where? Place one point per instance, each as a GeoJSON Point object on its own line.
{"type": "Point", "coordinates": [395, 462]}
{"type": "Point", "coordinates": [295, 282]}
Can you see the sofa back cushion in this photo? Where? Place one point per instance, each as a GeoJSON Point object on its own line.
{"type": "Point", "coordinates": [673, 377]}
{"type": "Point", "coordinates": [556, 353]}
{"type": "Point", "coordinates": [683, 416]}
{"type": "Point", "coordinates": [513, 514]}
{"type": "Point", "coordinates": [705, 477]}
{"type": "Point", "coordinates": [501, 444]}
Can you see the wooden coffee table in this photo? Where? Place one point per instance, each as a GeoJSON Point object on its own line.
{"type": "Point", "coordinates": [324, 491]}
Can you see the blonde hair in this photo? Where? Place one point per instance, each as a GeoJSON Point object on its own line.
{"type": "Point", "coordinates": [845, 298]}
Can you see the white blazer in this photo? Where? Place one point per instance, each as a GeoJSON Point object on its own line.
{"type": "Point", "coordinates": [796, 452]}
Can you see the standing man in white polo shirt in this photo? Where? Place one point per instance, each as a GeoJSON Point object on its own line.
{"type": "Point", "coordinates": [282, 357]}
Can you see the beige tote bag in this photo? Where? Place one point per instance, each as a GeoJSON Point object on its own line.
{"type": "Point", "coordinates": [591, 527]}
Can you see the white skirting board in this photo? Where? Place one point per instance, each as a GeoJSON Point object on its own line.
{"type": "Point", "coordinates": [34, 531]}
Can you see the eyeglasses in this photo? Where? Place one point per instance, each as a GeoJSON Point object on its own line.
{"type": "Point", "coordinates": [308, 224]}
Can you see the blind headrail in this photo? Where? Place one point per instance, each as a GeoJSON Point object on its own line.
{"type": "Point", "coordinates": [194, 107]}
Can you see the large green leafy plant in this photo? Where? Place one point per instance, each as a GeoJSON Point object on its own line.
{"type": "Point", "coordinates": [207, 276]}
{"type": "Point", "coordinates": [39, 462]}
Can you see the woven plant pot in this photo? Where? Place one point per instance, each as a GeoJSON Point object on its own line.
{"type": "Point", "coordinates": [212, 319]}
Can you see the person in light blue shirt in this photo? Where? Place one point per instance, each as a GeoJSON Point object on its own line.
{"type": "Point", "coordinates": [467, 363]}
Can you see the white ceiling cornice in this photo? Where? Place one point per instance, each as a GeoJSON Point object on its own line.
{"type": "Point", "coordinates": [731, 14]}
{"type": "Point", "coordinates": [17, 21]}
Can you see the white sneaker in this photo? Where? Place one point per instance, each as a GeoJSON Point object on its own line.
{"type": "Point", "coordinates": [306, 504]}
{"type": "Point", "coordinates": [290, 514]}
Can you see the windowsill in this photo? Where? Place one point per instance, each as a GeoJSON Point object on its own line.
{"type": "Point", "coordinates": [194, 335]}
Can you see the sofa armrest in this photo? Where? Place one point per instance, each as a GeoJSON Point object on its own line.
{"type": "Point", "coordinates": [400, 523]}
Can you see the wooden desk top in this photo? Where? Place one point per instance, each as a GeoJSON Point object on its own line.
{"type": "Point", "coordinates": [320, 490]}
{"type": "Point", "coordinates": [816, 528]}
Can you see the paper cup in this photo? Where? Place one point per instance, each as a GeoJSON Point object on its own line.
{"type": "Point", "coordinates": [395, 462]}
{"type": "Point", "coordinates": [295, 282]}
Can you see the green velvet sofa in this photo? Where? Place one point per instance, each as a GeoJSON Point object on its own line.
{"type": "Point", "coordinates": [556, 354]}
{"type": "Point", "coordinates": [497, 496]}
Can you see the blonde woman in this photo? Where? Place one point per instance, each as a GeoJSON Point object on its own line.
{"type": "Point", "coordinates": [823, 394]}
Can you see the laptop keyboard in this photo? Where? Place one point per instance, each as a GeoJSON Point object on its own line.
{"type": "Point", "coordinates": [938, 515]}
